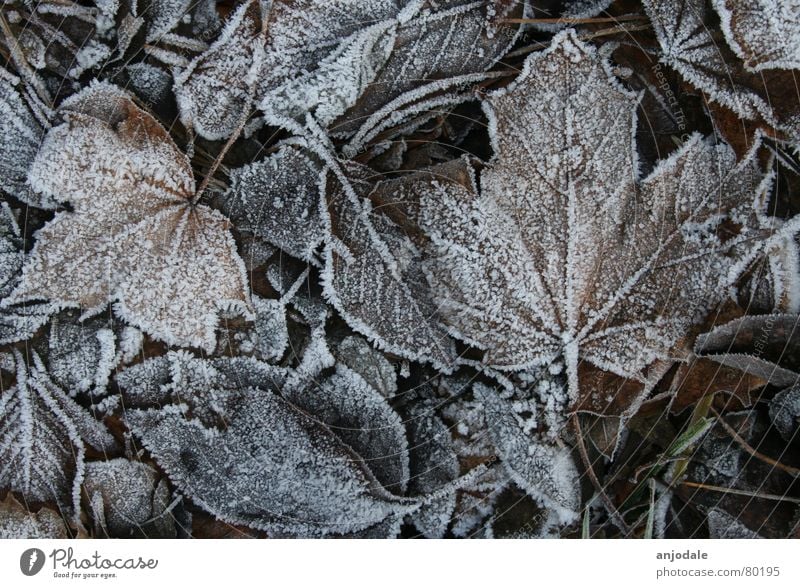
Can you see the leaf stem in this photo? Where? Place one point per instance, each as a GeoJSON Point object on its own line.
{"type": "Point", "coordinates": [567, 20]}
{"type": "Point", "coordinates": [792, 471]}
{"type": "Point", "coordinates": [612, 510]}
{"type": "Point", "coordinates": [752, 494]}
{"type": "Point", "coordinates": [220, 156]}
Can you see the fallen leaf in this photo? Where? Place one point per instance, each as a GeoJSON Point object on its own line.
{"type": "Point", "coordinates": [127, 499]}
{"type": "Point", "coordinates": [765, 34]}
{"type": "Point", "coordinates": [559, 250]}
{"type": "Point", "coordinates": [272, 468]}
{"type": "Point", "coordinates": [19, 321]}
{"type": "Point", "coordinates": [544, 470]}
{"type": "Point", "coordinates": [17, 522]}
{"type": "Point", "coordinates": [43, 438]}
{"type": "Point", "coordinates": [373, 277]}
{"type": "Point", "coordinates": [135, 235]}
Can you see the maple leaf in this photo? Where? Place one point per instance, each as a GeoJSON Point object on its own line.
{"type": "Point", "coordinates": [560, 251]}
{"type": "Point", "coordinates": [765, 34]}
{"type": "Point", "coordinates": [43, 437]}
{"type": "Point", "coordinates": [135, 235]}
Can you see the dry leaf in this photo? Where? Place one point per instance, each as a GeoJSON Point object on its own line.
{"type": "Point", "coordinates": [134, 236]}
{"type": "Point", "coordinates": [372, 277]}
{"type": "Point", "coordinates": [765, 34]}
{"type": "Point", "coordinates": [562, 250]}
{"type": "Point", "coordinates": [16, 522]}
{"type": "Point", "coordinates": [43, 437]}
{"type": "Point", "coordinates": [687, 45]}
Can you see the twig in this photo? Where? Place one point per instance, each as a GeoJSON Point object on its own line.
{"type": "Point", "coordinates": [612, 510]}
{"type": "Point", "coordinates": [792, 471]}
{"type": "Point", "coordinates": [612, 31]}
{"type": "Point", "coordinates": [220, 156]}
{"type": "Point", "coordinates": [567, 20]}
{"type": "Point", "coordinates": [583, 37]}
{"type": "Point", "coordinates": [724, 490]}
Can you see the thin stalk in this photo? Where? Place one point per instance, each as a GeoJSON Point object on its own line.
{"type": "Point", "coordinates": [220, 156]}
{"type": "Point", "coordinates": [792, 471]}
{"type": "Point", "coordinates": [724, 490]}
{"type": "Point", "coordinates": [612, 510]}
{"type": "Point", "coordinates": [567, 20]}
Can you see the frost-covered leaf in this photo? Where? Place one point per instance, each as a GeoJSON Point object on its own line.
{"type": "Point", "coordinates": [360, 416]}
{"type": "Point", "coordinates": [544, 470]}
{"type": "Point", "coordinates": [288, 55]}
{"type": "Point", "coordinates": [17, 322]}
{"type": "Point", "coordinates": [216, 90]}
{"type": "Point", "coordinates": [478, 505]}
{"type": "Point", "coordinates": [149, 82]}
{"type": "Point", "coordinates": [434, 465]}
{"type": "Point", "coordinates": [77, 38]}
{"type": "Point", "coordinates": [43, 436]}
{"type": "Point", "coordinates": [765, 34]}
{"type": "Point", "coordinates": [21, 131]}
{"type": "Point", "coordinates": [272, 468]}
{"type": "Point", "coordinates": [443, 41]}
{"type": "Point", "coordinates": [16, 522]}
{"type": "Point", "coordinates": [81, 356]}
{"type": "Point", "coordinates": [373, 277]}
{"type": "Point", "coordinates": [721, 525]}
{"type": "Point", "coordinates": [163, 16]}
{"type": "Point", "coordinates": [688, 47]}
{"type": "Point", "coordinates": [369, 363]}
{"type": "Point", "coordinates": [316, 357]}
{"type": "Point", "coordinates": [134, 236]}
{"type": "Point", "coordinates": [718, 459]}
{"type": "Point", "coordinates": [271, 335]}
{"type": "Point", "coordinates": [765, 346]}
{"type": "Point", "coordinates": [277, 199]}
{"type": "Point", "coordinates": [784, 410]}
{"type": "Point", "coordinates": [127, 499]}
{"type": "Point", "coordinates": [603, 431]}
{"type": "Point", "coordinates": [202, 384]}
{"type": "Point", "coordinates": [560, 251]}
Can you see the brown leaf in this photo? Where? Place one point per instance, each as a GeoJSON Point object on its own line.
{"type": "Point", "coordinates": [135, 235]}
{"type": "Point", "coordinates": [558, 251]}
{"type": "Point", "coordinates": [17, 522]}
